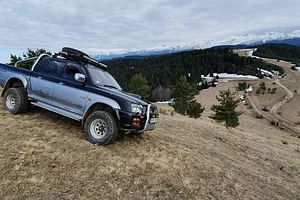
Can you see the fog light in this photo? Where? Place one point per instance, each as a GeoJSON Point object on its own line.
{"type": "Point", "coordinates": [136, 122]}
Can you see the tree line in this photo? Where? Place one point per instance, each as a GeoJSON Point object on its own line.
{"type": "Point", "coordinates": [165, 70]}
{"type": "Point", "coordinates": [279, 51]}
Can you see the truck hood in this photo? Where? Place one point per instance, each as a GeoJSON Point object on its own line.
{"type": "Point", "coordinates": [119, 94]}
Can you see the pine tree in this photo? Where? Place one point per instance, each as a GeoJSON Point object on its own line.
{"type": "Point", "coordinates": [14, 59]}
{"type": "Point", "coordinates": [139, 85]}
{"type": "Point", "coordinates": [184, 89]}
{"type": "Point", "coordinates": [194, 109]}
{"type": "Point", "coordinates": [226, 110]}
{"type": "Point", "coordinates": [184, 99]}
{"type": "Point", "coordinates": [28, 54]}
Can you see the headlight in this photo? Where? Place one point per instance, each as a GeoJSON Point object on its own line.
{"type": "Point", "coordinates": [135, 108]}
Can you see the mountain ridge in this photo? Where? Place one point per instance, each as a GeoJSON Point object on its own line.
{"type": "Point", "coordinates": [244, 41]}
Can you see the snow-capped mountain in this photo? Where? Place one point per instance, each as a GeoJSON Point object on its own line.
{"type": "Point", "coordinates": [266, 37]}
{"type": "Point", "coordinates": [292, 38]}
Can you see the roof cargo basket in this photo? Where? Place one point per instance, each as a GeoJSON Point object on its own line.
{"type": "Point", "coordinates": [79, 56]}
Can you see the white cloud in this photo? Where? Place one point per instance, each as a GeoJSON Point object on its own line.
{"type": "Point", "coordinates": [137, 24]}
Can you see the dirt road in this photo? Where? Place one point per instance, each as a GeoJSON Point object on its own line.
{"type": "Point", "coordinates": [291, 75]}
{"type": "Point", "coordinates": [276, 107]}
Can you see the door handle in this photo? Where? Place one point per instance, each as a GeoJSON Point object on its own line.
{"type": "Point", "coordinates": [39, 77]}
{"type": "Point", "coordinates": [60, 83]}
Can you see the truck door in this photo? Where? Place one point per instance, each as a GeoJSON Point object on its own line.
{"type": "Point", "coordinates": [42, 80]}
{"type": "Point", "coordinates": [69, 94]}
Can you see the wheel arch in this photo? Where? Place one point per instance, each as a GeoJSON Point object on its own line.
{"type": "Point", "coordinates": [14, 82]}
{"type": "Point", "coordinates": [104, 107]}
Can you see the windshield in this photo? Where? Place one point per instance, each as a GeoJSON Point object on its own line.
{"type": "Point", "coordinates": [102, 78]}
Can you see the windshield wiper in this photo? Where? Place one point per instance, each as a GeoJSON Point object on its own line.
{"type": "Point", "coordinates": [110, 86]}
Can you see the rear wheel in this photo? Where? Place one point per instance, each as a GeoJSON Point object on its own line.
{"type": "Point", "coordinates": [101, 128]}
{"type": "Point", "coordinates": [15, 100]}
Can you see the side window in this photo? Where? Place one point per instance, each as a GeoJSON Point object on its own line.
{"type": "Point", "coordinates": [54, 68]}
{"type": "Point", "coordinates": [70, 71]}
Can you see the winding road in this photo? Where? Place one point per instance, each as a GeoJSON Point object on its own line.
{"type": "Point", "coordinates": [277, 118]}
{"type": "Point", "coordinates": [276, 107]}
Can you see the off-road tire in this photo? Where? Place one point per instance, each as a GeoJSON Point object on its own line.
{"type": "Point", "coordinates": [111, 128]}
{"type": "Point", "coordinates": [20, 99]}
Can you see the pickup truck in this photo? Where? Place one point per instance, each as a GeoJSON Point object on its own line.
{"type": "Point", "coordinates": [72, 84]}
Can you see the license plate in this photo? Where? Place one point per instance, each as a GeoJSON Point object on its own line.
{"type": "Point", "coordinates": [153, 120]}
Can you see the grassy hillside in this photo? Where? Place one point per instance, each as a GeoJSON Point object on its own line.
{"type": "Point", "coordinates": [46, 156]}
{"type": "Point", "coordinates": [165, 69]}
{"type": "Point", "coordinates": [279, 51]}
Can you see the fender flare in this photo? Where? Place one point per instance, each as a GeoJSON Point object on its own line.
{"type": "Point", "coordinates": [14, 78]}
{"type": "Point", "coordinates": [107, 103]}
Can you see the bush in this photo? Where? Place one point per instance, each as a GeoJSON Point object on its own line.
{"type": "Point", "coordinates": [273, 91]}
{"type": "Point", "coordinates": [161, 94]}
{"type": "Point", "coordinates": [262, 88]}
{"type": "Point", "coordinates": [242, 86]}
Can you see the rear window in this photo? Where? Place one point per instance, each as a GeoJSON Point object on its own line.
{"type": "Point", "coordinates": [54, 68]}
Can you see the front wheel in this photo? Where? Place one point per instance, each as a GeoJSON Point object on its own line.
{"type": "Point", "coordinates": [15, 100]}
{"type": "Point", "coordinates": [101, 128]}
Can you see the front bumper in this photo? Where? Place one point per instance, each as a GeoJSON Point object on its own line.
{"type": "Point", "coordinates": [152, 118]}
{"type": "Point", "coordinates": [149, 120]}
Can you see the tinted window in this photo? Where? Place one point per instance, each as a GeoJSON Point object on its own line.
{"type": "Point", "coordinates": [54, 68]}
{"type": "Point", "coordinates": [71, 70]}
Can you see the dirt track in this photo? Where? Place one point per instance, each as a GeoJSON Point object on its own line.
{"type": "Point", "coordinates": [286, 106]}
{"type": "Point", "coordinates": [46, 156]}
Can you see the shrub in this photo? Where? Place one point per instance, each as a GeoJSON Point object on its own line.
{"type": "Point", "coordinates": [273, 90]}
{"type": "Point", "coordinates": [262, 87]}
{"type": "Point", "coordinates": [161, 94]}
{"type": "Point", "coordinates": [242, 86]}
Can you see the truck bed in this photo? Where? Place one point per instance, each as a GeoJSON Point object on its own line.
{"type": "Point", "coordinates": [7, 71]}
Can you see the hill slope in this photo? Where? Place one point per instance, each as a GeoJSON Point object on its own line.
{"type": "Point", "coordinates": [46, 156]}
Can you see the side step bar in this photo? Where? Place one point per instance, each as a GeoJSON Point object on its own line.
{"type": "Point", "coordinates": [58, 111]}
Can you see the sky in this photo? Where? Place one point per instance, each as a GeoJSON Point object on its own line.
{"type": "Point", "coordinates": [112, 25]}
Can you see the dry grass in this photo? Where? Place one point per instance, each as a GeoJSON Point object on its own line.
{"type": "Point", "coordinates": [46, 156]}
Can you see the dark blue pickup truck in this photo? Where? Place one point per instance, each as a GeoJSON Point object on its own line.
{"type": "Point", "coordinates": [73, 84]}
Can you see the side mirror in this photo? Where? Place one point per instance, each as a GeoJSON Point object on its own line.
{"type": "Point", "coordinates": [79, 77]}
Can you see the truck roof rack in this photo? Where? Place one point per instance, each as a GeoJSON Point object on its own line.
{"type": "Point", "coordinates": [78, 56]}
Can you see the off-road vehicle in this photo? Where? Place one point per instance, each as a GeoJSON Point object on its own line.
{"type": "Point", "coordinates": [74, 85]}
